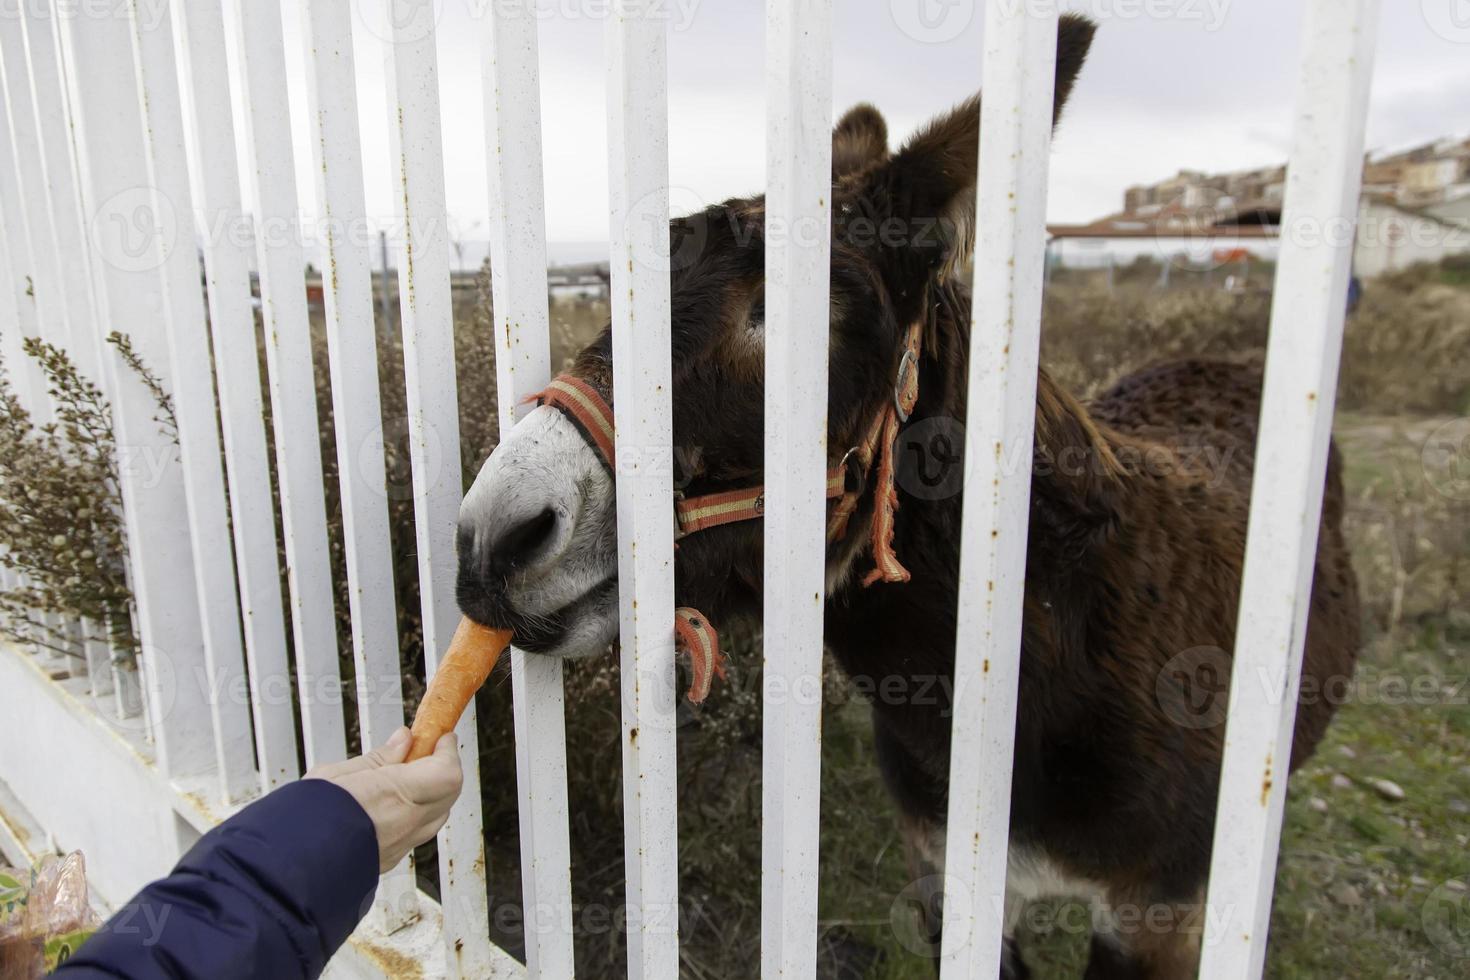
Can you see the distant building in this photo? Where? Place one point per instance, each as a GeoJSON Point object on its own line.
{"type": "Point", "coordinates": [1196, 190]}
{"type": "Point", "coordinates": [1171, 234]}
{"type": "Point", "coordinates": [1432, 174]}
{"type": "Point", "coordinates": [1393, 236]}
{"type": "Point", "coordinates": [586, 280]}
{"type": "Point", "coordinates": [1415, 208]}
{"type": "Point", "coordinates": [1456, 210]}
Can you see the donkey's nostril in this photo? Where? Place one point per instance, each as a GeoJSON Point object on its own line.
{"type": "Point", "coordinates": [519, 542]}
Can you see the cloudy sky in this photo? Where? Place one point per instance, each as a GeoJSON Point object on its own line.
{"type": "Point", "coordinates": [1170, 84]}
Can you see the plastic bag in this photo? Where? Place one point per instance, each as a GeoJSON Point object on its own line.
{"type": "Point", "coordinates": [44, 915]}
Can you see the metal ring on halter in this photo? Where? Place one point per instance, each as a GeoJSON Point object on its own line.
{"type": "Point", "coordinates": [907, 364]}
{"type": "Point", "coordinates": [679, 531]}
{"type": "Point", "coordinates": [855, 474]}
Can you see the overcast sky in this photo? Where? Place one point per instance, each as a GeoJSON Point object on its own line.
{"type": "Point", "coordinates": [1170, 84]}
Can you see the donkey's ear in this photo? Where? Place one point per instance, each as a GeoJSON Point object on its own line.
{"type": "Point", "coordinates": [860, 140]}
{"type": "Point", "coordinates": [1074, 40]}
{"type": "Point", "coordinates": [929, 185]}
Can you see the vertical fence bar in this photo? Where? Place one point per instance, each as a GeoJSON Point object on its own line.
{"type": "Point", "coordinates": [83, 340]}
{"type": "Point", "coordinates": [47, 284]}
{"type": "Point", "coordinates": [281, 263]}
{"type": "Point", "coordinates": [352, 350]}
{"type": "Point", "coordinates": [90, 348]}
{"type": "Point", "coordinates": [18, 301]}
{"type": "Point", "coordinates": [11, 355]}
{"type": "Point", "coordinates": [798, 253]}
{"type": "Point", "coordinates": [638, 165]}
{"type": "Point", "coordinates": [58, 166]}
{"type": "Point", "coordinates": [44, 287]}
{"type": "Point", "coordinates": [194, 412]}
{"type": "Point", "coordinates": [115, 679]}
{"type": "Point", "coordinates": [352, 353]}
{"type": "Point", "coordinates": [1324, 178]}
{"type": "Point", "coordinates": [199, 26]}
{"type": "Point", "coordinates": [116, 186]}
{"type": "Point", "coordinates": [1005, 332]}
{"type": "Point", "coordinates": [427, 316]}
{"type": "Point", "coordinates": [43, 292]}
{"type": "Point", "coordinates": [512, 105]}
{"type": "Point", "coordinates": [12, 289]}
{"type": "Point", "coordinates": [20, 289]}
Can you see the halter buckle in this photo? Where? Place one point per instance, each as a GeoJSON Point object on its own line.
{"type": "Point", "coordinates": [906, 364]}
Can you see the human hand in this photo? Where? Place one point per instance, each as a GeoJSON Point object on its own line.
{"type": "Point", "coordinates": [407, 802]}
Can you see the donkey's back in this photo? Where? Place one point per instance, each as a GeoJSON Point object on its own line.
{"type": "Point", "coordinates": [1206, 412]}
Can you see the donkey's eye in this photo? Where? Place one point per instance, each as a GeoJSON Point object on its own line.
{"type": "Point", "coordinates": [753, 334]}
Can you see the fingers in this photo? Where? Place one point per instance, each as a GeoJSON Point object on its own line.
{"type": "Point", "coordinates": [390, 752]}
{"type": "Point", "coordinates": [394, 750]}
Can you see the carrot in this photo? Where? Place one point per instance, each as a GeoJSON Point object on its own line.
{"type": "Point", "coordinates": [471, 656]}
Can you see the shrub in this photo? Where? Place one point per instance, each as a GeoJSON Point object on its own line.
{"type": "Point", "coordinates": [60, 513]}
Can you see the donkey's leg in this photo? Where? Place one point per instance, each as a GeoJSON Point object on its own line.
{"type": "Point", "coordinates": [1171, 954]}
{"type": "Point", "coordinates": [921, 809]}
{"type": "Point", "coordinates": [924, 848]}
{"type": "Point", "coordinates": [921, 802]}
{"type": "Point", "coordinates": [1012, 967]}
{"type": "Point", "coordinates": [924, 843]}
{"type": "Point", "coordinates": [1107, 959]}
{"type": "Point", "coordinates": [1149, 939]}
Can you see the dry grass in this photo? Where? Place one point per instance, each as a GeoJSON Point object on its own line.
{"type": "Point", "coordinates": [1404, 349]}
{"type": "Point", "coordinates": [1408, 348]}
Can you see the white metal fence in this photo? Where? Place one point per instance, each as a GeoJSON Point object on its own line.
{"type": "Point", "coordinates": [106, 164]}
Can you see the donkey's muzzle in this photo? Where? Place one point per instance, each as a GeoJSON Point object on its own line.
{"type": "Point", "coordinates": [537, 536]}
{"type": "Point", "coordinates": [504, 544]}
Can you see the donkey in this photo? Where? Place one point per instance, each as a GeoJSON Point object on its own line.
{"type": "Point", "coordinates": [1136, 537]}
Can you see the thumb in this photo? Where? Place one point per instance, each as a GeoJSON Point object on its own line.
{"type": "Point", "coordinates": [447, 748]}
{"type": "Point", "coordinates": [390, 752]}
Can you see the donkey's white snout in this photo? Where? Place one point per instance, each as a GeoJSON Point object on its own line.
{"type": "Point", "coordinates": [533, 527]}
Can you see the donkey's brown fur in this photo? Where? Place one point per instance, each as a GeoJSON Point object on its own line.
{"type": "Point", "coordinates": [1137, 531]}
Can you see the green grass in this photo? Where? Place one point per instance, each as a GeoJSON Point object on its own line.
{"type": "Point", "coordinates": [864, 868]}
{"type": "Point", "coordinates": [1369, 887]}
{"type": "Point", "coordinates": [1364, 888]}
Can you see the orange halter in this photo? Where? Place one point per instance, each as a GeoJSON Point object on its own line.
{"type": "Point", "coordinates": [846, 483]}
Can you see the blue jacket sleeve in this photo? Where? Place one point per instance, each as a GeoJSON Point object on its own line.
{"type": "Point", "coordinates": [271, 892]}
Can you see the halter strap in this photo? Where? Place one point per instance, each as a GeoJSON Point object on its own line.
{"type": "Point", "coordinates": [593, 417]}
{"type": "Point", "coordinates": [732, 506]}
{"type": "Point", "coordinates": [590, 412]}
